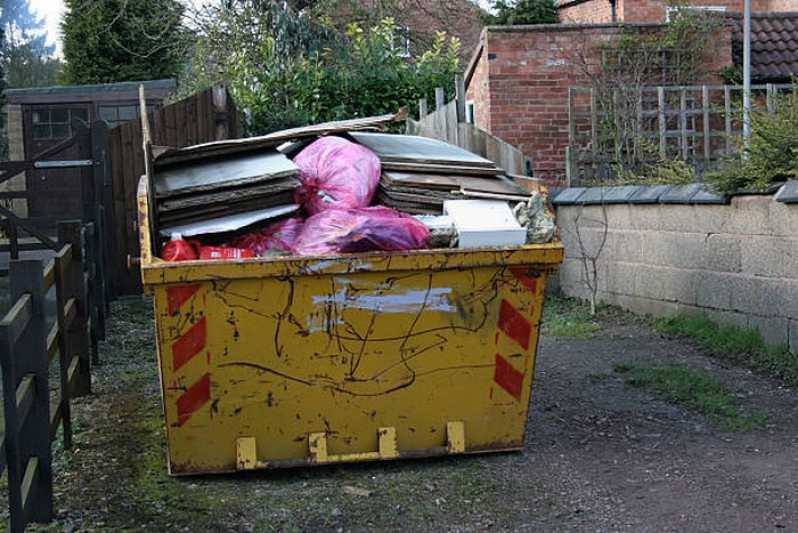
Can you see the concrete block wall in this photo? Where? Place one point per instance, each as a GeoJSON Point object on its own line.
{"type": "Point", "coordinates": [737, 263]}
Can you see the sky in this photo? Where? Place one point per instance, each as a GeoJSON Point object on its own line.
{"type": "Point", "coordinates": [52, 10]}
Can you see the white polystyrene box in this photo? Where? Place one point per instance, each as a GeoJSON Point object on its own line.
{"type": "Point", "coordinates": [484, 223]}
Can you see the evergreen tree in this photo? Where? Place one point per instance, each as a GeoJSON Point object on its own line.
{"type": "Point", "coordinates": [509, 12]}
{"type": "Point", "coordinates": [27, 58]}
{"type": "Point", "coordinates": [122, 40]}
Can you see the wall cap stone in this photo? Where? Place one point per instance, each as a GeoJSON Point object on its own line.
{"type": "Point", "coordinates": [788, 193]}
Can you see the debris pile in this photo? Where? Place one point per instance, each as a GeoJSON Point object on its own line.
{"type": "Point", "coordinates": [334, 188]}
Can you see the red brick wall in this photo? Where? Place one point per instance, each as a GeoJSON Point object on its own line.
{"type": "Point", "coordinates": [528, 74]}
{"type": "Point", "coordinates": [784, 5]}
{"type": "Point", "coordinates": [654, 11]}
{"type": "Point", "coordinates": [594, 12]}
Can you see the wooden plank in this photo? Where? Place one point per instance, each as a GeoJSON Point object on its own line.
{"type": "Point", "coordinates": [571, 118]}
{"type": "Point", "coordinates": [55, 418]}
{"type": "Point", "coordinates": [29, 481]}
{"type": "Point", "coordinates": [705, 111]}
{"type": "Point", "coordinates": [771, 98]}
{"type": "Point", "coordinates": [52, 342]}
{"type": "Point", "coordinates": [422, 108]}
{"type": "Point", "coordinates": [25, 395]}
{"type": "Point", "coordinates": [72, 371]}
{"type": "Point", "coordinates": [440, 98]}
{"type": "Point", "coordinates": [18, 317]}
{"type": "Point", "coordinates": [727, 117]}
{"type": "Point", "coordinates": [459, 84]}
{"type": "Point", "coordinates": [49, 273]}
{"type": "Point", "coordinates": [663, 126]}
{"type": "Point", "coordinates": [683, 123]}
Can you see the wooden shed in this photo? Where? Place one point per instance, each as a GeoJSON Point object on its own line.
{"type": "Point", "coordinates": [42, 117]}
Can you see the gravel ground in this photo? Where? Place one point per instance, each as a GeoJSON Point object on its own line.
{"type": "Point", "coordinates": [600, 456]}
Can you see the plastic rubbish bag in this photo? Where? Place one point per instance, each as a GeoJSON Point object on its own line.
{"type": "Point", "coordinates": [336, 173]}
{"type": "Point", "coordinates": [275, 239]}
{"type": "Point", "coordinates": [360, 230]}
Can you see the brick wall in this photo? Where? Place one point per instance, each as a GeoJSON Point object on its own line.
{"type": "Point", "coordinates": [783, 5]}
{"type": "Point", "coordinates": [528, 72]}
{"type": "Point", "coordinates": [654, 11]}
{"type": "Point", "coordinates": [593, 12]}
{"type": "Point", "coordinates": [16, 152]}
{"type": "Point", "coordinates": [736, 263]}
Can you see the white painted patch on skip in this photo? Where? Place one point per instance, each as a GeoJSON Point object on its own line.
{"type": "Point", "coordinates": [413, 301]}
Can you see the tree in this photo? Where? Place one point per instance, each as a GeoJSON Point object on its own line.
{"type": "Point", "coordinates": [509, 12]}
{"type": "Point", "coordinates": [122, 40]}
{"type": "Point", "coordinates": [27, 58]}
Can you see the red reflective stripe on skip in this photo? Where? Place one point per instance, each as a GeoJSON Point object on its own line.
{"type": "Point", "coordinates": [508, 378]}
{"type": "Point", "coordinates": [526, 280]}
{"type": "Point", "coordinates": [195, 397]}
{"type": "Point", "coordinates": [514, 324]}
{"type": "Point", "coordinates": [177, 296]}
{"type": "Point", "coordinates": [190, 344]}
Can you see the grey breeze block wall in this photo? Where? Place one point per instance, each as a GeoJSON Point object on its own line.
{"type": "Point", "coordinates": [738, 263]}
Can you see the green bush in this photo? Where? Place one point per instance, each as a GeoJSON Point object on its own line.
{"type": "Point", "coordinates": [286, 70]}
{"type": "Point", "coordinates": [772, 152]}
{"type": "Point", "coordinates": [511, 12]}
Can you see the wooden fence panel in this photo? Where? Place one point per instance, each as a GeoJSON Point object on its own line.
{"type": "Point", "coordinates": [444, 124]}
{"type": "Point", "coordinates": [203, 117]}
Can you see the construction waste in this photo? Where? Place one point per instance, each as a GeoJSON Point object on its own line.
{"type": "Point", "coordinates": [337, 188]}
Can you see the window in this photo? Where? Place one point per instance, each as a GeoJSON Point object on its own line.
{"type": "Point", "coordinates": [471, 116]}
{"type": "Point", "coordinates": [115, 115]}
{"type": "Point", "coordinates": [55, 122]}
{"type": "Point", "coordinates": [402, 41]}
{"type": "Point", "coordinates": [715, 9]}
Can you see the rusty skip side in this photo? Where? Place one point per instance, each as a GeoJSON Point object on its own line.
{"type": "Point", "coordinates": [274, 363]}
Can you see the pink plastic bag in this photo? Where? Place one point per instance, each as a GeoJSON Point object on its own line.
{"type": "Point", "coordinates": [336, 173]}
{"type": "Point", "coordinates": [360, 230]}
{"type": "Point", "coordinates": [278, 237]}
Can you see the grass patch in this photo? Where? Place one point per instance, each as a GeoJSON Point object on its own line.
{"type": "Point", "coordinates": [568, 317]}
{"type": "Point", "coordinates": [742, 346]}
{"type": "Point", "coordinates": [694, 389]}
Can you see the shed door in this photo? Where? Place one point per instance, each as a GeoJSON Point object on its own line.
{"type": "Point", "coordinates": [55, 193]}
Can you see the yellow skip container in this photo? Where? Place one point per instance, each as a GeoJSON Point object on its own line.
{"type": "Point", "coordinates": [269, 363]}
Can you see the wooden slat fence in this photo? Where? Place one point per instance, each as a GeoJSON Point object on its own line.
{"type": "Point", "coordinates": [447, 123]}
{"type": "Point", "coordinates": [206, 116]}
{"type": "Point", "coordinates": [28, 346]}
{"type": "Point", "coordinates": [698, 123]}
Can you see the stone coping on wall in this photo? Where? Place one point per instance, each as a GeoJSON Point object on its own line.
{"type": "Point", "coordinates": [694, 193]}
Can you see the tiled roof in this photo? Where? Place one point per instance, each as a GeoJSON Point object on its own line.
{"type": "Point", "coordinates": [774, 45]}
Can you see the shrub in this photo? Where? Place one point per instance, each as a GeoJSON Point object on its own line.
{"type": "Point", "coordinates": [286, 70]}
{"type": "Point", "coordinates": [772, 152]}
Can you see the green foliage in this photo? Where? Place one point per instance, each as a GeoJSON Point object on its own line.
{"type": "Point", "coordinates": [27, 58]}
{"type": "Point", "coordinates": [694, 389]}
{"type": "Point", "coordinates": [661, 172]}
{"type": "Point", "coordinates": [568, 318]}
{"type": "Point", "coordinates": [122, 40]}
{"type": "Point", "coordinates": [742, 346]}
{"type": "Point", "coordinates": [289, 71]}
{"type": "Point", "coordinates": [772, 152]}
{"type": "Point", "coordinates": [514, 12]}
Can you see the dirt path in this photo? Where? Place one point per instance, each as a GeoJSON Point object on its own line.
{"type": "Point", "coordinates": [600, 456]}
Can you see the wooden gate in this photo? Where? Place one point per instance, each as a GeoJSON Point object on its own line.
{"type": "Point", "coordinates": [206, 116]}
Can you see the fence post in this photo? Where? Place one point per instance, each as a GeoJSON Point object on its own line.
{"type": "Point", "coordinates": [65, 347]}
{"type": "Point", "coordinates": [30, 479]}
{"type": "Point", "coordinates": [440, 98]}
{"type": "Point", "coordinates": [707, 133]}
{"type": "Point", "coordinates": [422, 108]}
{"type": "Point", "coordinates": [90, 275]}
{"type": "Point", "coordinates": [771, 97]}
{"type": "Point", "coordinates": [13, 238]}
{"type": "Point", "coordinates": [73, 233]}
{"type": "Point", "coordinates": [683, 122]}
{"type": "Point", "coordinates": [459, 85]}
{"type": "Point", "coordinates": [101, 293]}
{"type": "Point", "coordinates": [728, 117]}
{"type": "Point", "coordinates": [571, 118]}
{"type": "Point", "coordinates": [663, 126]}
{"type": "Point", "coordinates": [594, 124]}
